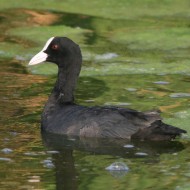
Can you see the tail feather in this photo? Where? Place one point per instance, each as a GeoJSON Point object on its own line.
{"type": "Point", "coordinates": [158, 131]}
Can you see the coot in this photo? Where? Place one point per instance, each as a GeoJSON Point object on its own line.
{"type": "Point", "coordinates": [62, 116]}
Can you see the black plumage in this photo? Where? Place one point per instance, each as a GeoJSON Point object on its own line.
{"type": "Point", "coordinates": [62, 116]}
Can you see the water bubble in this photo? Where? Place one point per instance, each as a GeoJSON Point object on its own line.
{"type": "Point", "coordinates": [141, 154]}
{"type": "Point", "coordinates": [48, 163]}
{"type": "Point", "coordinates": [116, 166]}
{"type": "Point", "coordinates": [118, 169]}
{"type": "Point", "coordinates": [6, 150]}
{"type": "Point", "coordinates": [128, 146]}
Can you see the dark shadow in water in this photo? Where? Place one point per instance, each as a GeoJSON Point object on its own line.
{"type": "Point", "coordinates": [82, 21]}
{"type": "Point", "coordinates": [87, 88]}
{"type": "Point", "coordinates": [90, 23]}
{"type": "Point", "coordinates": [66, 175]}
{"type": "Point", "coordinates": [90, 88]}
{"type": "Point", "coordinates": [12, 66]}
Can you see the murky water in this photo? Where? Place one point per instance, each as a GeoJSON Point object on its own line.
{"type": "Point", "coordinates": [114, 73]}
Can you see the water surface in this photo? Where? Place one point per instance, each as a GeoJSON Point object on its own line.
{"type": "Point", "coordinates": [141, 62]}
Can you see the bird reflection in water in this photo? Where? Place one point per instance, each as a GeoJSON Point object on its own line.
{"type": "Point", "coordinates": [63, 159]}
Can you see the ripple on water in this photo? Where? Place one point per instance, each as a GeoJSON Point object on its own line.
{"type": "Point", "coordinates": [180, 95]}
{"type": "Point", "coordinates": [34, 179]}
{"type": "Point", "coordinates": [128, 146]}
{"type": "Point", "coordinates": [182, 114]}
{"type": "Point", "coordinates": [117, 103]}
{"type": "Point", "coordinates": [131, 89]}
{"type": "Point", "coordinates": [34, 153]}
{"type": "Point", "coordinates": [52, 152]}
{"type": "Point", "coordinates": [161, 82]}
{"type": "Point", "coordinates": [7, 150]}
{"type": "Point", "coordinates": [48, 163]}
{"type": "Point", "coordinates": [5, 159]}
{"type": "Point", "coordinates": [141, 154]}
{"type": "Point", "coordinates": [106, 56]}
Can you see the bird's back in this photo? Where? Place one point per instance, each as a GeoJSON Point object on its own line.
{"type": "Point", "coordinates": [110, 122]}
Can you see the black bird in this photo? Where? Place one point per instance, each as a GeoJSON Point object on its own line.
{"type": "Point", "coordinates": [62, 116]}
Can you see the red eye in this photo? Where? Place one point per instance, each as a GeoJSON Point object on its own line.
{"type": "Point", "coordinates": [55, 46]}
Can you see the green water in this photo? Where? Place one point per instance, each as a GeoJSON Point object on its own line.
{"type": "Point", "coordinates": [136, 54]}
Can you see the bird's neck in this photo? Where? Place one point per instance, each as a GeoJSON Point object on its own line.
{"type": "Point", "coordinates": [62, 93]}
{"type": "Point", "coordinates": [65, 85]}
